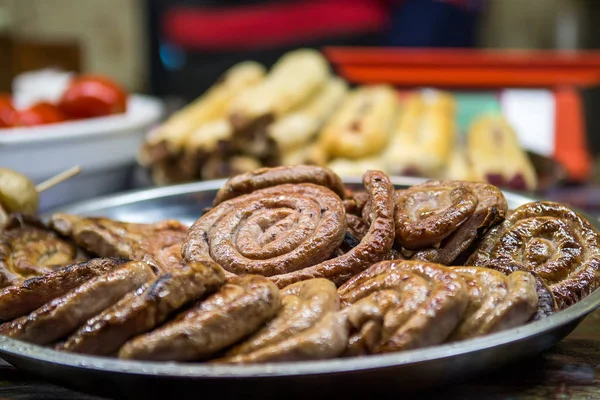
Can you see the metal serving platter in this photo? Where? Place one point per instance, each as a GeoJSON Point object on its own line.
{"type": "Point", "coordinates": [395, 373]}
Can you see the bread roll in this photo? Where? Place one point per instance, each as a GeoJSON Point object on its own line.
{"type": "Point", "coordinates": [170, 137]}
{"type": "Point", "coordinates": [362, 125]}
{"type": "Point", "coordinates": [424, 137]}
{"type": "Point", "coordinates": [300, 126]}
{"type": "Point", "coordinates": [292, 80]}
{"type": "Point", "coordinates": [496, 156]}
{"type": "Point", "coordinates": [353, 167]}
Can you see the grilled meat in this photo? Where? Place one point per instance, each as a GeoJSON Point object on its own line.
{"type": "Point", "coordinates": [32, 293]}
{"type": "Point", "coordinates": [64, 314]}
{"type": "Point", "coordinates": [144, 309]}
{"type": "Point", "coordinates": [156, 244]}
{"type": "Point", "coordinates": [28, 248]}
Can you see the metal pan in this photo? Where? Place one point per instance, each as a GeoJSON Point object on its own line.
{"type": "Point", "coordinates": [395, 373]}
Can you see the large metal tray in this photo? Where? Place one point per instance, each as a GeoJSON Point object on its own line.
{"type": "Point", "coordinates": [365, 376]}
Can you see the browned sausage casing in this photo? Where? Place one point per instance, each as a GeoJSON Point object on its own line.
{"type": "Point", "coordinates": [271, 231]}
{"type": "Point", "coordinates": [442, 218]}
{"type": "Point", "coordinates": [400, 305]}
{"type": "Point", "coordinates": [32, 293]}
{"type": "Point", "coordinates": [64, 314]}
{"type": "Point", "coordinates": [28, 249]}
{"type": "Point", "coordinates": [306, 328]}
{"type": "Point", "coordinates": [156, 244]}
{"type": "Point", "coordinates": [551, 240]}
{"type": "Point", "coordinates": [496, 301]}
{"type": "Point", "coordinates": [374, 246]}
{"type": "Point", "coordinates": [268, 177]}
{"type": "Point", "coordinates": [144, 309]}
{"type": "Point", "coordinates": [240, 308]}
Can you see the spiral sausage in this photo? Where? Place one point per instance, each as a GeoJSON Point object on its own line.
{"type": "Point", "coordinates": [402, 305]}
{"type": "Point", "coordinates": [553, 241]}
{"type": "Point", "coordinates": [267, 177]}
{"type": "Point", "coordinates": [374, 246]}
{"type": "Point", "coordinates": [496, 301]}
{"type": "Point", "coordinates": [28, 248]}
{"type": "Point", "coordinates": [443, 218]}
{"type": "Point", "coordinates": [271, 231]}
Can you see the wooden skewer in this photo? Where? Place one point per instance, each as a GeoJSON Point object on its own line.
{"type": "Point", "coordinates": [56, 179]}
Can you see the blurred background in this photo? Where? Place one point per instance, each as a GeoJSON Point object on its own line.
{"type": "Point", "coordinates": [174, 50]}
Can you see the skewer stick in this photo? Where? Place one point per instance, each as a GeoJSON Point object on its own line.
{"type": "Point", "coordinates": [56, 179]}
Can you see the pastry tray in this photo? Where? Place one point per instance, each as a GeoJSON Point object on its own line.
{"type": "Point", "coordinates": [371, 375]}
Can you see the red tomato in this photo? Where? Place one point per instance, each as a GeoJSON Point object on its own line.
{"type": "Point", "coordinates": [8, 114]}
{"type": "Point", "coordinates": [40, 114]}
{"type": "Point", "coordinates": [90, 96]}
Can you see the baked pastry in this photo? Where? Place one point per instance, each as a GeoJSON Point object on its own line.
{"type": "Point", "coordinates": [459, 168]}
{"type": "Point", "coordinates": [349, 168]}
{"type": "Point", "coordinates": [442, 218]}
{"type": "Point", "coordinates": [295, 129]}
{"type": "Point", "coordinates": [170, 138]}
{"type": "Point", "coordinates": [362, 125]}
{"type": "Point", "coordinates": [294, 78]}
{"type": "Point", "coordinates": [307, 327]}
{"type": "Point", "coordinates": [496, 156]}
{"type": "Point", "coordinates": [401, 305]}
{"type": "Point", "coordinates": [424, 136]}
{"type": "Point", "coordinates": [496, 301]}
{"type": "Point", "coordinates": [311, 154]}
{"type": "Point", "coordinates": [553, 241]}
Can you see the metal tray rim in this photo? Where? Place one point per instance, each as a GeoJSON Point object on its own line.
{"type": "Point", "coordinates": [335, 366]}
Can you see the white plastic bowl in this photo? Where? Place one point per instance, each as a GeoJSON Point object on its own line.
{"type": "Point", "coordinates": [104, 147]}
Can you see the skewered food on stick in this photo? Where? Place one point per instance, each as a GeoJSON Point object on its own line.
{"type": "Point", "coordinates": [19, 195]}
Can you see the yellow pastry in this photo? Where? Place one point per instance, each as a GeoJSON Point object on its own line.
{"type": "Point", "coordinates": [301, 125]}
{"type": "Point", "coordinates": [424, 137]}
{"type": "Point", "coordinates": [362, 125]}
{"type": "Point", "coordinates": [496, 156]}
{"type": "Point", "coordinates": [170, 137]}
{"type": "Point", "coordinates": [292, 80]}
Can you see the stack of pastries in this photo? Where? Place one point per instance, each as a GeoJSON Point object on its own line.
{"type": "Point", "coordinates": [289, 264]}
{"type": "Point", "coordinates": [299, 112]}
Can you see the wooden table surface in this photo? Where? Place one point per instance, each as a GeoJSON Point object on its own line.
{"type": "Point", "coordinates": [570, 370]}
